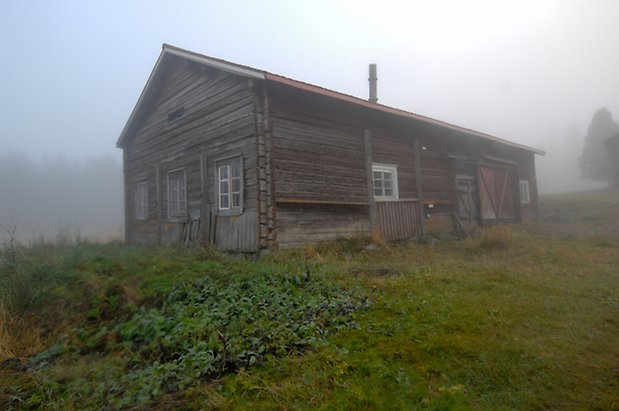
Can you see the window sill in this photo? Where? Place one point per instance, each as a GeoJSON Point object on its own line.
{"type": "Point", "coordinates": [230, 213]}
{"type": "Point", "coordinates": [177, 219]}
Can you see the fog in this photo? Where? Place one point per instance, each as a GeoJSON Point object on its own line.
{"type": "Point", "coordinates": [60, 199]}
{"type": "Point", "coordinates": [529, 71]}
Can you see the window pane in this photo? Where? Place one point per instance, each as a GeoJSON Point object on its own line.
{"type": "Point", "coordinates": [230, 185]}
{"type": "Point", "coordinates": [378, 184]}
{"type": "Point", "coordinates": [388, 191]}
{"type": "Point", "coordinates": [224, 202]}
{"type": "Point", "coordinates": [236, 185]}
{"type": "Point", "coordinates": [234, 170]}
{"type": "Point", "coordinates": [176, 194]}
{"type": "Point", "coordinates": [223, 187]}
{"type": "Point", "coordinates": [141, 201]}
{"type": "Point", "coordinates": [524, 192]}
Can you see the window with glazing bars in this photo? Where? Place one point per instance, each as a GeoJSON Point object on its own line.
{"type": "Point", "coordinates": [385, 182]}
{"type": "Point", "coordinates": [525, 197]}
{"type": "Point", "coordinates": [230, 184]}
{"type": "Point", "coordinates": [177, 197]}
{"type": "Point", "coordinates": [141, 200]}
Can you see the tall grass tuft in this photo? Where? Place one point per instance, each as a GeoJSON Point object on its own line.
{"type": "Point", "coordinates": [496, 238]}
{"type": "Point", "coordinates": [5, 336]}
{"type": "Point", "coordinates": [311, 254]}
{"type": "Point", "coordinates": [33, 276]}
{"type": "Point", "coordinates": [376, 236]}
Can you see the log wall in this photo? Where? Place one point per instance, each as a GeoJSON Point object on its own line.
{"type": "Point", "coordinates": [300, 224]}
{"type": "Point", "coordinates": [319, 161]}
{"type": "Point", "coordinates": [193, 118]}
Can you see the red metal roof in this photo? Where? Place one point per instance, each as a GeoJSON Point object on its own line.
{"type": "Point", "coordinates": [399, 112]}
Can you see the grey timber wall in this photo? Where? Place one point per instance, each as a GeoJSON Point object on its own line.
{"type": "Point", "coordinates": [319, 174]}
{"type": "Point", "coordinates": [194, 118]}
{"type": "Point", "coordinates": [300, 224]}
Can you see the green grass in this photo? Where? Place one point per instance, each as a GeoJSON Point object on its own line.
{"type": "Point", "coordinates": [520, 318]}
{"type": "Point", "coordinates": [531, 328]}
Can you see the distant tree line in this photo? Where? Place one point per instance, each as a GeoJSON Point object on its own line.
{"type": "Point", "coordinates": [60, 197]}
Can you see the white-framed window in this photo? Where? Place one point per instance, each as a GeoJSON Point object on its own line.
{"type": "Point", "coordinates": [177, 193]}
{"type": "Point", "coordinates": [230, 185]}
{"type": "Point", "coordinates": [385, 179]}
{"type": "Point", "coordinates": [525, 195]}
{"type": "Point", "coordinates": [141, 200]}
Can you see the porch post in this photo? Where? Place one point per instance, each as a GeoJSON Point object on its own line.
{"type": "Point", "coordinates": [367, 145]}
{"type": "Point", "coordinates": [417, 160]}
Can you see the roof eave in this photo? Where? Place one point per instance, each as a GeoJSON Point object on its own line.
{"type": "Point", "coordinates": [138, 105]}
{"type": "Point", "coordinates": [216, 63]}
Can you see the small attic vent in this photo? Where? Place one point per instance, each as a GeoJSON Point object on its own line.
{"type": "Point", "coordinates": [173, 115]}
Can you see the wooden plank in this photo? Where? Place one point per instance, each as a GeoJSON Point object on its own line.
{"type": "Point", "coordinates": [399, 220]}
{"type": "Point", "coordinates": [325, 202]}
{"type": "Point", "coordinates": [237, 232]}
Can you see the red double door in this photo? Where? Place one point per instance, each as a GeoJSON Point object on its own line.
{"type": "Point", "coordinates": [497, 193]}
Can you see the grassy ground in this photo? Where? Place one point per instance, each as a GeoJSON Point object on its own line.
{"type": "Point", "coordinates": [525, 317]}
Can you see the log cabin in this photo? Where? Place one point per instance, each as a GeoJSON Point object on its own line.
{"type": "Point", "coordinates": [220, 153]}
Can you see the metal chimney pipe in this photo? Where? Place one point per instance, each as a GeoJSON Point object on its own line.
{"type": "Point", "coordinates": [373, 80]}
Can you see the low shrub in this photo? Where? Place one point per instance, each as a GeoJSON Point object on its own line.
{"type": "Point", "coordinates": [208, 327]}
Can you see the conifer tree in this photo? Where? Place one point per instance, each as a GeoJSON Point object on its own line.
{"type": "Point", "coordinates": [594, 161]}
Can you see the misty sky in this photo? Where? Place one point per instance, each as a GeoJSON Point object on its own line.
{"type": "Point", "coordinates": [532, 72]}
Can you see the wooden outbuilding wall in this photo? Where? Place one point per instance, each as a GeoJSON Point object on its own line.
{"type": "Point", "coordinates": [320, 168]}
{"type": "Point", "coordinates": [196, 117]}
{"type": "Point", "coordinates": [307, 157]}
